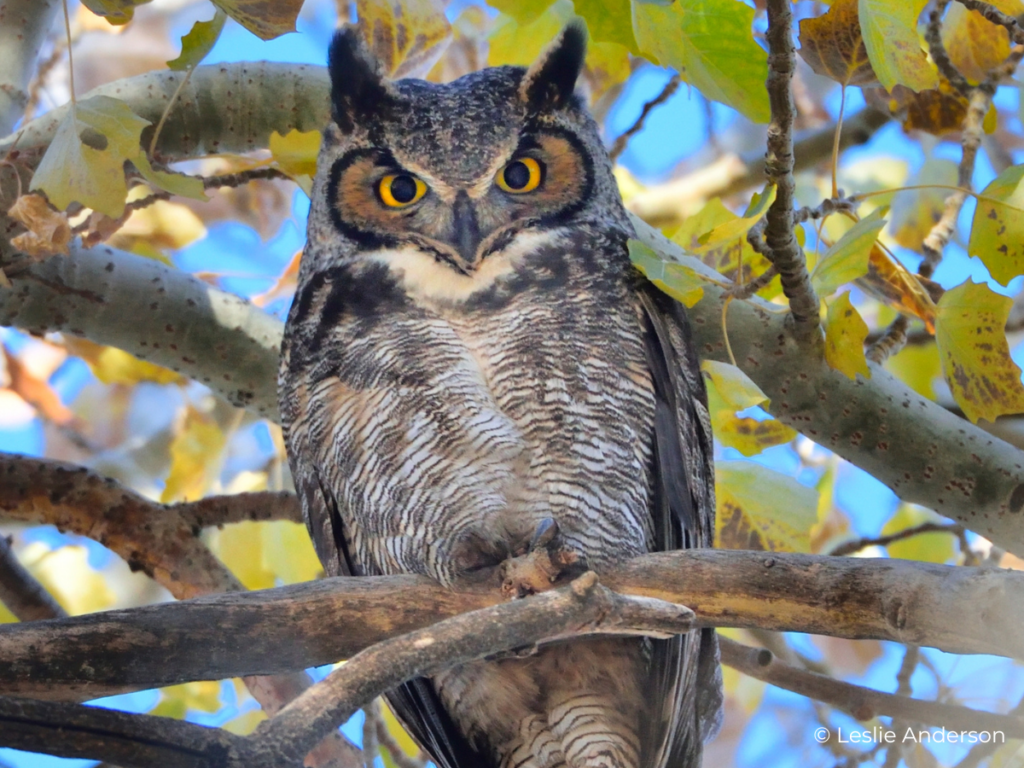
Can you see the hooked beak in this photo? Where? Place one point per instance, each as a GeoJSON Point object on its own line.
{"type": "Point", "coordinates": [465, 235]}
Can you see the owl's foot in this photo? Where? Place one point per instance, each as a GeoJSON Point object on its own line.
{"type": "Point", "coordinates": [545, 561]}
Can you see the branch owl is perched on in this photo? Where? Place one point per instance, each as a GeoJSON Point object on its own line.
{"type": "Point", "coordinates": [471, 357]}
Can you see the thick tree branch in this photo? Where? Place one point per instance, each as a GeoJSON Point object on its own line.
{"type": "Point", "coordinates": [295, 627]}
{"type": "Point", "coordinates": [23, 595]}
{"type": "Point", "coordinates": [783, 249]}
{"type": "Point", "coordinates": [23, 28]}
{"type": "Point", "coordinates": [859, 702]}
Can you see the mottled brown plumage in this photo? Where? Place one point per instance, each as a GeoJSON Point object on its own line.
{"type": "Point", "coordinates": [471, 355]}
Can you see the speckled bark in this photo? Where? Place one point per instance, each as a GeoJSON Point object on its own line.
{"type": "Point", "coordinates": [23, 28]}
{"type": "Point", "coordinates": [284, 629]}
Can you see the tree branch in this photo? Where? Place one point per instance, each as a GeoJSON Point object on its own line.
{"type": "Point", "coordinates": [21, 592]}
{"type": "Point", "coordinates": [23, 28]}
{"type": "Point", "coordinates": [859, 702]}
{"type": "Point", "coordinates": [295, 627]}
{"type": "Point", "coordinates": [783, 249]}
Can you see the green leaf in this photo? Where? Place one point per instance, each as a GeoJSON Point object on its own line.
{"type": "Point", "coordinates": [736, 388]}
{"type": "Point", "coordinates": [263, 19]}
{"type": "Point", "coordinates": [894, 46]}
{"type": "Point", "coordinates": [738, 226]}
{"type": "Point", "coordinates": [711, 44]}
{"type": "Point", "coordinates": [609, 21]}
{"type": "Point", "coordinates": [520, 44]}
{"type": "Point", "coordinates": [997, 232]}
{"type": "Point", "coordinates": [85, 160]}
{"type": "Point", "coordinates": [969, 330]}
{"type": "Point", "coordinates": [845, 332]}
{"type": "Point", "coordinates": [761, 509]}
{"type": "Point", "coordinates": [747, 435]}
{"type": "Point", "coordinates": [848, 258]}
{"type": "Point", "coordinates": [198, 42]}
{"type": "Point", "coordinates": [523, 11]}
{"type": "Point", "coordinates": [927, 547]}
{"type": "Point", "coordinates": [115, 11]}
{"type": "Point", "coordinates": [681, 283]}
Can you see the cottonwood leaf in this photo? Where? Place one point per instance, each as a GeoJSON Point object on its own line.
{"type": "Point", "coordinates": [733, 258]}
{"type": "Point", "coordinates": [937, 111]}
{"type": "Point", "coordinates": [917, 366]}
{"type": "Point", "coordinates": [85, 160]}
{"type": "Point", "coordinates": [35, 390]}
{"type": "Point", "coordinates": [833, 46]}
{"type": "Point", "coordinates": [296, 153]}
{"type": "Point", "coordinates": [523, 11]}
{"type": "Point", "coordinates": [710, 43]}
{"type": "Point", "coordinates": [606, 66]}
{"type": "Point", "coordinates": [398, 732]}
{"type": "Point", "coordinates": [115, 366]}
{"type": "Point", "coordinates": [284, 285]}
{"type": "Point", "coordinates": [264, 19]}
{"type": "Point", "coordinates": [845, 332]}
{"type": "Point", "coordinates": [67, 575]}
{"type": "Point", "coordinates": [609, 21]}
{"type": "Point", "coordinates": [115, 11]}
{"type": "Point", "coordinates": [240, 548]}
{"type": "Point", "coordinates": [195, 457]}
{"type": "Point", "coordinates": [970, 332]}
{"type": "Point", "coordinates": [916, 211]}
{"type": "Point", "coordinates": [738, 226]}
{"type": "Point", "coordinates": [245, 723]}
{"type": "Point", "coordinates": [894, 47]}
{"type": "Point", "coordinates": [288, 552]}
{"type": "Point", "coordinates": [997, 232]}
{"type": "Point", "coordinates": [975, 45]}
{"type": "Point", "coordinates": [747, 435]}
{"type": "Point", "coordinates": [198, 42]}
{"type": "Point", "coordinates": [406, 36]}
{"type": "Point", "coordinates": [889, 281]}
{"type": "Point", "coordinates": [735, 387]}
{"type": "Point", "coordinates": [48, 230]}
{"type": "Point", "coordinates": [520, 43]}
{"type": "Point", "coordinates": [177, 700]}
{"type": "Point", "coordinates": [681, 283]}
{"type": "Point", "coordinates": [761, 509]}
{"type": "Point", "coordinates": [848, 258]}
{"type": "Point", "coordinates": [935, 547]}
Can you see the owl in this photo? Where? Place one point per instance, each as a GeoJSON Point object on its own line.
{"type": "Point", "coordinates": [471, 366]}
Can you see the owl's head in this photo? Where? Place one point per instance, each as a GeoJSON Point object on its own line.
{"type": "Point", "coordinates": [456, 172]}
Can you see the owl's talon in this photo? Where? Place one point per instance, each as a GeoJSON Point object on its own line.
{"type": "Point", "coordinates": [547, 560]}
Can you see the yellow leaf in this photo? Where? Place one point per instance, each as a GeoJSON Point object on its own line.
{"type": "Point", "coordinates": [240, 548]}
{"type": "Point", "coordinates": [762, 509]}
{"type": "Point", "coordinates": [890, 282]}
{"type": "Point", "coordinates": [738, 226]}
{"type": "Point", "coordinates": [928, 547]}
{"type": "Point", "coordinates": [406, 36]}
{"type": "Point", "coordinates": [288, 552]}
{"type": "Point", "coordinates": [997, 232]}
{"type": "Point", "coordinates": [198, 42]}
{"type": "Point", "coordinates": [245, 723]}
{"type": "Point", "coordinates": [833, 46]}
{"type": "Point", "coordinates": [296, 153]}
{"type": "Point", "coordinates": [85, 160]}
{"type": "Point", "coordinates": [733, 257]}
{"type": "Point", "coordinates": [67, 575]}
{"type": "Point", "coordinates": [115, 11]}
{"type": "Point", "coordinates": [747, 435]}
{"type": "Point", "coordinates": [977, 46]}
{"type": "Point", "coordinates": [395, 729]}
{"type": "Point", "coordinates": [736, 388]}
{"type": "Point", "coordinates": [916, 211]}
{"type": "Point", "coordinates": [845, 332]}
{"type": "Point", "coordinates": [710, 43]}
{"type": "Point", "coordinates": [163, 225]}
{"type": "Point", "coordinates": [969, 331]}
{"type": "Point", "coordinates": [607, 65]}
{"type": "Point", "coordinates": [48, 231]}
{"type": "Point", "coordinates": [115, 366]}
{"type": "Point", "coordinates": [848, 258]}
{"type": "Point", "coordinates": [177, 700]}
{"type": "Point", "coordinates": [894, 47]}
{"type": "Point", "coordinates": [195, 457]}
{"type": "Point", "coordinates": [608, 21]}
{"type": "Point", "coordinates": [520, 43]}
{"type": "Point", "coordinates": [917, 366]}
{"type": "Point", "coordinates": [264, 19]}
{"type": "Point", "coordinates": [679, 282]}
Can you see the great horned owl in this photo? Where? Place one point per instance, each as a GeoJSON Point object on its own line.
{"type": "Point", "coordinates": [471, 358]}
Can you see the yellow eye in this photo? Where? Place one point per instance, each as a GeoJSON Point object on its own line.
{"type": "Point", "coordinates": [522, 175]}
{"type": "Point", "coordinates": [398, 190]}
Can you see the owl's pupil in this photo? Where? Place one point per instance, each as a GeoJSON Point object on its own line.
{"type": "Point", "coordinates": [403, 189]}
{"type": "Point", "coordinates": [517, 175]}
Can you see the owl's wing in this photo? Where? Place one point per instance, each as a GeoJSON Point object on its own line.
{"type": "Point", "coordinates": [686, 674]}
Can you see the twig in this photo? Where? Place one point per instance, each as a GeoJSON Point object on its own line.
{"type": "Point", "coordinates": [21, 592]}
{"type": "Point", "coordinates": [979, 752]}
{"type": "Point", "coordinates": [398, 755]}
{"type": "Point", "coordinates": [749, 288]}
{"type": "Point", "coordinates": [933, 36]}
{"type": "Point", "coordinates": [783, 249]}
{"type": "Point", "coordinates": [860, 702]}
{"type": "Point", "coordinates": [891, 342]}
{"type": "Point", "coordinates": [45, 67]}
{"type": "Point", "coordinates": [825, 208]}
{"type": "Point", "coordinates": [583, 607]}
{"type": "Point", "coordinates": [895, 751]}
{"type": "Point", "coordinates": [280, 630]}
{"type": "Point", "coordinates": [666, 93]}
{"type": "Point", "coordinates": [371, 713]}
{"type": "Point", "coordinates": [849, 547]}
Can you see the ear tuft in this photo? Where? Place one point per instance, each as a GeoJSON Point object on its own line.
{"type": "Point", "coordinates": [550, 82]}
{"type": "Point", "coordinates": [358, 88]}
